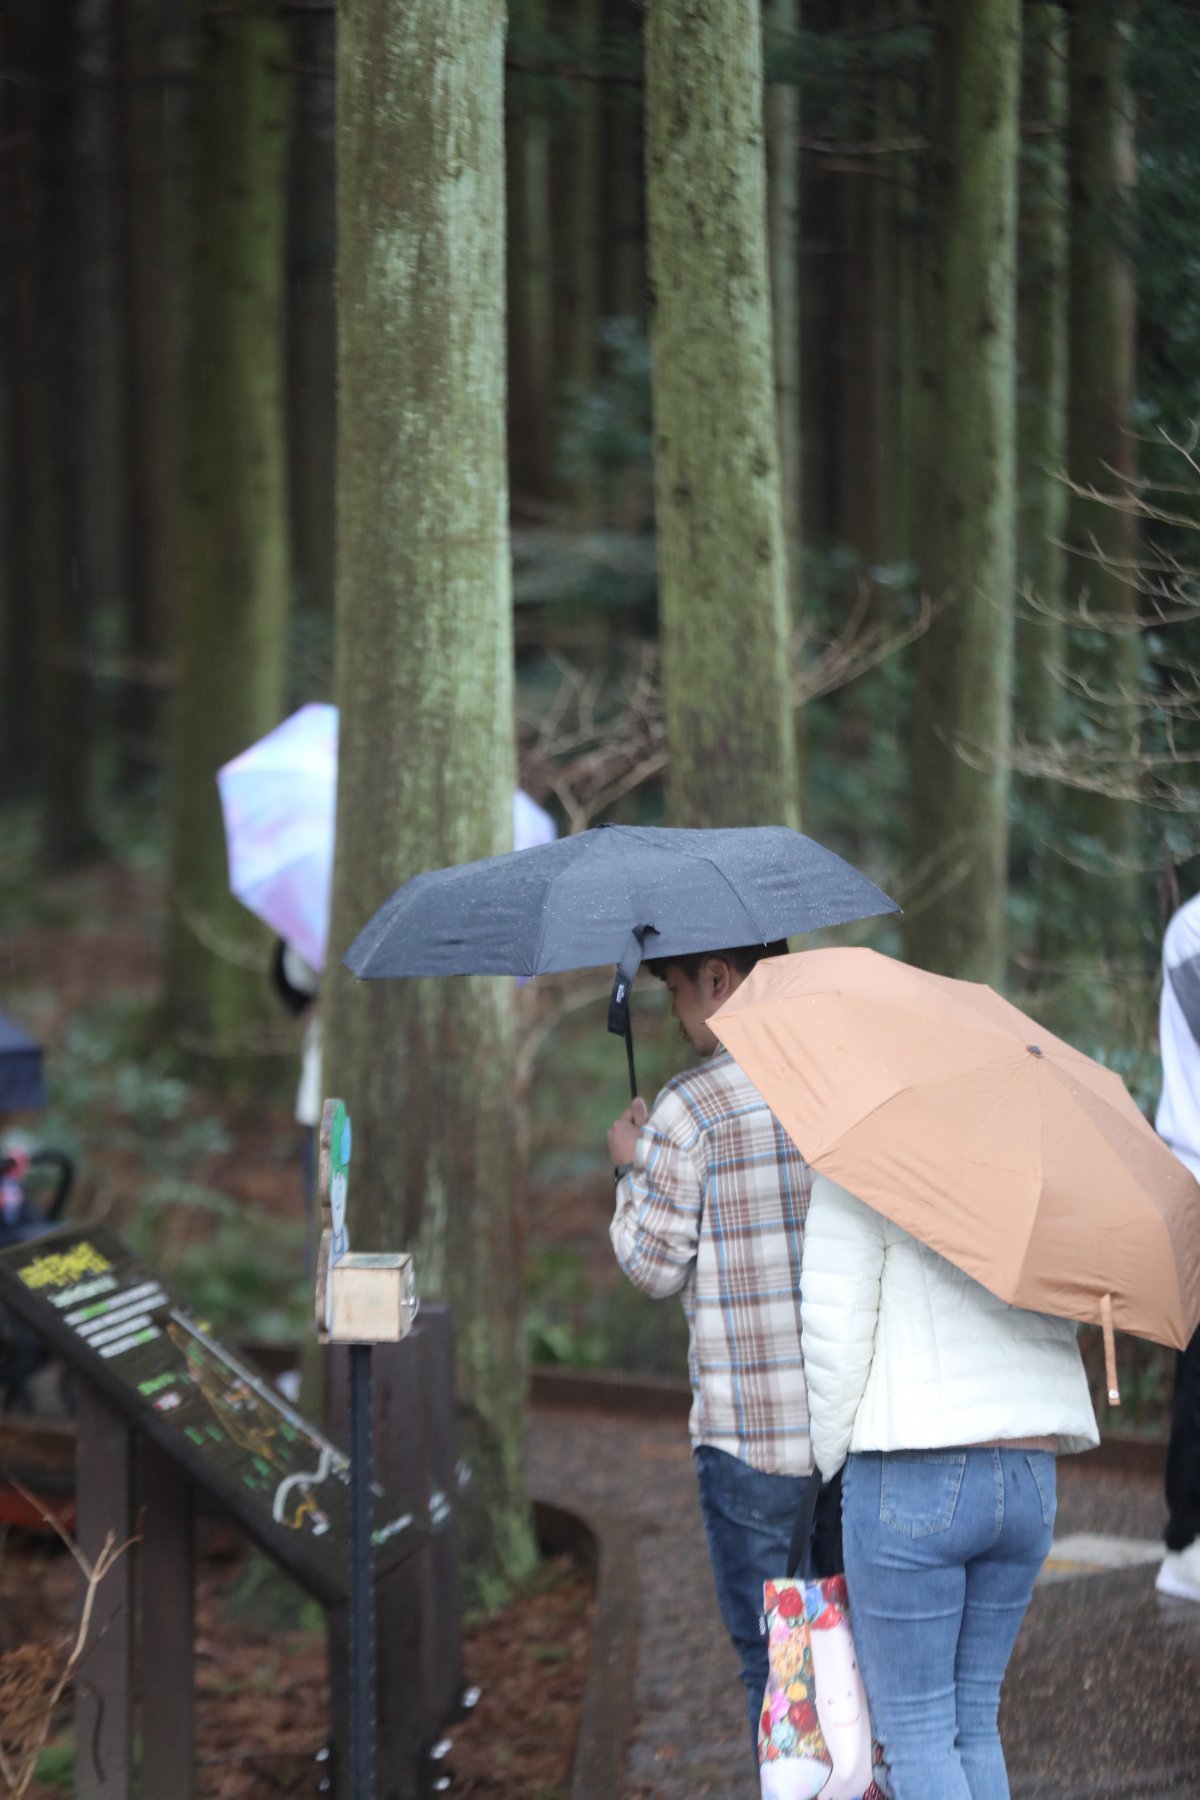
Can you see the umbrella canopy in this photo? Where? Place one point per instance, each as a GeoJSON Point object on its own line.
{"type": "Point", "coordinates": [954, 1114]}
{"type": "Point", "coordinates": [20, 1069]}
{"type": "Point", "coordinates": [578, 902]}
{"type": "Point", "coordinates": [614, 894]}
{"type": "Point", "coordinates": [279, 800]}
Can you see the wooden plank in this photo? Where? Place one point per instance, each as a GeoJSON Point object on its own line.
{"type": "Point", "coordinates": [104, 1691]}
{"type": "Point", "coordinates": [168, 1626]}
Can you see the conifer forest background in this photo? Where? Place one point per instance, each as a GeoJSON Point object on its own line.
{"type": "Point", "coordinates": [700, 414]}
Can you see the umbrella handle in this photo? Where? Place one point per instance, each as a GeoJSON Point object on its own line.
{"type": "Point", "coordinates": [618, 1004]}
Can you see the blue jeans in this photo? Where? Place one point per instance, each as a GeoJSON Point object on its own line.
{"type": "Point", "coordinates": [748, 1519]}
{"type": "Point", "coordinates": [942, 1548]}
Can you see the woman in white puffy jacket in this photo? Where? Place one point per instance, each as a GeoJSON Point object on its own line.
{"type": "Point", "coordinates": [947, 1408]}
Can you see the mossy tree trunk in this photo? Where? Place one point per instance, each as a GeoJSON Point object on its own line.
{"type": "Point", "coordinates": [229, 688]}
{"type": "Point", "coordinates": [1042, 398]}
{"type": "Point", "coordinates": [966, 524]}
{"type": "Point", "coordinates": [1101, 454]}
{"type": "Point", "coordinates": [424, 684]}
{"type": "Point", "coordinates": [722, 564]}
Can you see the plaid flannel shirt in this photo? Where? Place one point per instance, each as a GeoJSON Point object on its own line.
{"type": "Point", "coordinates": [713, 1208]}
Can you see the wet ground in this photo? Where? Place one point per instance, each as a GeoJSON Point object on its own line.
{"type": "Point", "coordinates": [1103, 1693]}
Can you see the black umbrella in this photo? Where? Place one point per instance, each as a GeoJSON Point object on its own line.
{"type": "Point", "coordinates": [612, 895]}
{"type": "Point", "coordinates": [20, 1069]}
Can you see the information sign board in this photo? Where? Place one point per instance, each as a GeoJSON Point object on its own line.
{"type": "Point", "coordinates": [84, 1293]}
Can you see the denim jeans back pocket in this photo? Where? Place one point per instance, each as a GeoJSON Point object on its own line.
{"type": "Point", "coordinates": [1044, 1469]}
{"type": "Point", "coordinates": [919, 1492]}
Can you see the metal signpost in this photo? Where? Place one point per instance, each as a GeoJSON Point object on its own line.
{"type": "Point", "coordinates": [361, 1300]}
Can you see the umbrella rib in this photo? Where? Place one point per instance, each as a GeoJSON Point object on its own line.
{"type": "Point", "coordinates": [706, 856]}
{"type": "Point", "coordinates": [585, 850]}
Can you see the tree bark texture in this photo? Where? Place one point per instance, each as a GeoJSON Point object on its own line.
{"type": "Point", "coordinates": [229, 688]}
{"type": "Point", "coordinates": [722, 564]}
{"type": "Point", "coordinates": [1100, 448]}
{"type": "Point", "coordinates": [954, 919]}
{"type": "Point", "coordinates": [1042, 395]}
{"type": "Point", "coordinates": [424, 683]}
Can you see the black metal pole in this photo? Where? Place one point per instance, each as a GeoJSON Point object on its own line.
{"type": "Point", "coordinates": [362, 1581]}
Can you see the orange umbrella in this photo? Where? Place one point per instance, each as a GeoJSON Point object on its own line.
{"type": "Point", "coordinates": [958, 1117]}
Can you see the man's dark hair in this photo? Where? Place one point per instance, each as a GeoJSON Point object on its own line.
{"type": "Point", "coordinates": [741, 959]}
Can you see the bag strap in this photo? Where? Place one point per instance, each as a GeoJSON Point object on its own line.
{"type": "Point", "coordinates": [799, 1555]}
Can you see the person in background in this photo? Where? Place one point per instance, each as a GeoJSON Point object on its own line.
{"type": "Point", "coordinates": [710, 1204]}
{"type": "Point", "coordinates": [1178, 1124]}
{"type": "Point", "coordinates": [298, 985]}
{"type": "Point", "coordinates": [946, 1407]}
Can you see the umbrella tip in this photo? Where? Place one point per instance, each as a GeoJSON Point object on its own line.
{"type": "Point", "coordinates": [1033, 1050]}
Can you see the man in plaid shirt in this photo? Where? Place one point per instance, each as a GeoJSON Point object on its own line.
{"type": "Point", "coordinates": [711, 1200]}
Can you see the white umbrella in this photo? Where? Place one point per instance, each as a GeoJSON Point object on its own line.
{"type": "Point", "coordinates": [279, 802]}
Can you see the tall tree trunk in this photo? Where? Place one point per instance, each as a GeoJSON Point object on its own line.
{"type": "Point", "coordinates": [234, 570]}
{"type": "Point", "coordinates": [425, 689]}
{"type": "Point", "coordinates": [1042, 400]}
{"type": "Point", "coordinates": [781, 114]}
{"type": "Point", "coordinates": [577, 248]}
{"type": "Point", "coordinates": [311, 316]}
{"type": "Point", "coordinates": [99, 362]}
{"type": "Point", "coordinates": [1101, 452]}
{"type": "Point", "coordinates": [906, 117]}
{"type": "Point", "coordinates": [722, 562]}
{"type": "Point", "coordinates": [624, 263]}
{"type": "Point", "coordinates": [861, 440]}
{"type": "Point", "coordinates": [61, 580]}
{"type": "Point", "coordinates": [960, 778]}
{"type": "Point", "coordinates": [150, 155]}
{"type": "Point", "coordinates": [23, 408]}
{"type": "Point", "coordinates": [530, 299]}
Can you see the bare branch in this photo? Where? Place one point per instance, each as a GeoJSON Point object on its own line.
{"type": "Point", "coordinates": [34, 1677]}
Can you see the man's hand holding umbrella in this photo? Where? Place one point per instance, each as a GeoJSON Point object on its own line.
{"type": "Point", "coordinates": [623, 1133]}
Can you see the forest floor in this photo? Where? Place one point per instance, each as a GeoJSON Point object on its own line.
{"type": "Point", "coordinates": [262, 1689]}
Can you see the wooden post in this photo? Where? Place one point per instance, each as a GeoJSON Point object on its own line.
{"type": "Point", "coordinates": [403, 1636]}
{"type": "Point", "coordinates": [403, 1630]}
{"type": "Point", "coordinates": [168, 1626]}
{"type": "Point", "coordinates": [104, 1504]}
{"type": "Point", "coordinates": [434, 1332]}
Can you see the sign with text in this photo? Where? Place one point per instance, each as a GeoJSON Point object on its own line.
{"type": "Point", "coordinates": [85, 1294]}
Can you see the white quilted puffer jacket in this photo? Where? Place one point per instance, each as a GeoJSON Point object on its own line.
{"type": "Point", "coordinates": [902, 1351]}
